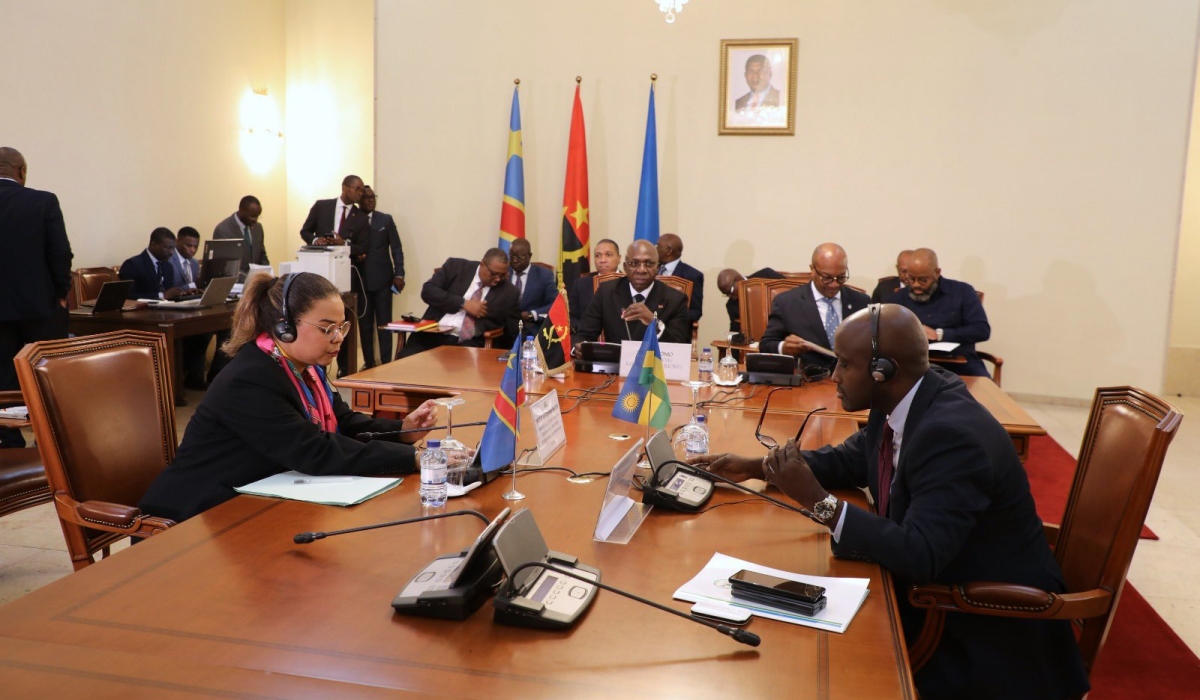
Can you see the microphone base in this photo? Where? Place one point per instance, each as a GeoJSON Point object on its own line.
{"type": "Point", "coordinates": [775, 379]}
{"type": "Point", "coordinates": [597, 367]}
{"type": "Point", "coordinates": [456, 603]}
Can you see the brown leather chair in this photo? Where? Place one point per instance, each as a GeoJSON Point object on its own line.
{"type": "Point", "coordinates": [22, 479]}
{"type": "Point", "coordinates": [548, 266]}
{"type": "Point", "coordinates": [1123, 450]}
{"type": "Point", "coordinates": [683, 285]}
{"type": "Point", "coordinates": [103, 411]}
{"type": "Point", "coordinates": [91, 279]}
{"type": "Point", "coordinates": [755, 297]}
{"type": "Point", "coordinates": [598, 280]}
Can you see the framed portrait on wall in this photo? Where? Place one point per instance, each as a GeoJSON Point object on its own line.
{"type": "Point", "coordinates": [758, 87]}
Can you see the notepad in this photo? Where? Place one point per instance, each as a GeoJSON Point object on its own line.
{"type": "Point", "coordinates": [426, 325]}
{"type": "Point", "coordinates": [329, 490]}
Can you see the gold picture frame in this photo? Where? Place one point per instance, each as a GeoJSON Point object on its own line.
{"type": "Point", "coordinates": [759, 97]}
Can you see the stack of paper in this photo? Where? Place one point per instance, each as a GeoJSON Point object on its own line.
{"type": "Point", "coordinates": [326, 490]}
{"type": "Point", "coordinates": [844, 595]}
{"type": "Point", "coordinates": [15, 412]}
{"type": "Point", "coordinates": [426, 325]}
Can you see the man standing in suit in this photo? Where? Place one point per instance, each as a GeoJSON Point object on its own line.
{"type": "Point", "coordinates": [151, 270]}
{"type": "Point", "coordinates": [244, 224]}
{"type": "Point", "coordinates": [382, 269]}
{"type": "Point", "coordinates": [952, 506]}
{"type": "Point", "coordinates": [670, 249]}
{"type": "Point", "coordinates": [607, 257]}
{"type": "Point", "coordinates": [338, 221]}
{"type": "Point", "coordinates": [758, 78]}
{"type": "Point", "coordinates": [727, 280]}
{"type": "Point", "coordinates": [888, 285]}
{"type": "Point", "coordinates": [807, 317]}
{"type": "Point", "coordinates": [469, 298]}
{"type": "Point", "coordinates": [536, 290]}
{"type": "Point", "coordinates": [949, 310]}
{"type": "Point", "coordinates": [623, 308]}
{"type": "Point", "coordinates": [35, 271]}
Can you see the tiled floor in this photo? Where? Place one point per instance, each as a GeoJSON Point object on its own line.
{"type": "Point", "coordinates": [32, 552]}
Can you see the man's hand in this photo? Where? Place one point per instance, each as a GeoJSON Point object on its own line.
{"type": "Point", "coordinates": [63, 302]}
{"type": "Point", "coordinates": [732, 467]}
{"type": "Point", "coordinates": [787, 471]}
{"type": "Point", "coordinates": [637, 312]}
{"type": "Point", "coordinates": [475, 307]}
{"type": "Point", "coordinates": [930, 333]}
{"type": "Point", "coordinates": [398, 283]}
{"type": "Point", "coordinates": [795, 345]}
{"type": "Point", "coordinates": [360, 257]}
{"type": "Point", "coordinates": [172, 293]}
{"type": "Point", "coordinates": [424, 417]}
{"type": "Point", "coordinates": [527, 316]}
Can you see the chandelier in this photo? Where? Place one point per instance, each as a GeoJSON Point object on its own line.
{"type": "Point", "coordinates": [670, 7]}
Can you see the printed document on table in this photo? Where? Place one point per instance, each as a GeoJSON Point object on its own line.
{"type": "Point", "coordinates": [944, 346]}
{"type": "Point", "coordinates": [326, 490]}
{"type": "Point", "coordinates": [844, 595]}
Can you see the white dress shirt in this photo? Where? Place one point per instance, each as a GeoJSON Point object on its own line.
{"type": "Point", "coordinates": [454, 321]}
{"type": "Point", "coordinates": [670, 267]}
{"type": "Point", "coordinates": [337, 214]}
{"type": "Point", "coordinates": [633, 293]}
{"type": "Point", "coordinates": [823, 308]}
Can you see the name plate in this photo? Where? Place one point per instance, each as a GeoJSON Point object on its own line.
{"type": "Point", "coordinates": [676, 359]}
{"type": "Point", "coordinates": [548, 425]}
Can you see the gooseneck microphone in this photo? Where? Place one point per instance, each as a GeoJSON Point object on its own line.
{"type": "Point", "coordinates": [374, 436]}
{"type": "Point", "coordinates": [691, 468]}
{"type": "Point", "coordinates": [738, 635]}
{"type": "Point", "coordinates": [306, 537]}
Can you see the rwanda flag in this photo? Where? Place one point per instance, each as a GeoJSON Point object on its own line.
{"type": "Point", "coordinates": [643, 399]}
{"type": "Point", "coordinates": [499, 446]}
{"type": "Point", "coordinates": [512, 211]}
{"type": "Point", "coordinates": [646, 226]}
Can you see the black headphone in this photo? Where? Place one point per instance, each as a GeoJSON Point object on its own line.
{"type": "Point", "coordinates": [285, 330]}
{"type": "Point", "coordinates": [882, 368]}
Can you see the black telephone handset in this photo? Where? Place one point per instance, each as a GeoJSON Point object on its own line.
{"type": "Point", "coordinates": [669, 486]}
{"type": "Point", "coordinates": [536, 596]}
{"type": "Point", "coordinates": [797, 596]}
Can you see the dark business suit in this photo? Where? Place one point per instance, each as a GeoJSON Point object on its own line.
{"type": "Point", "coordinates": [955, 308]}
{"type": "Point", "coordinates": [604, 314]}
{"type": "Point", "coordinates": [959, 511]}
{"type": "Point", "coordinates": [579, 296]}
{"type": "Point", "coordinates": [320, 223]}
{"type": "Point", "coordinates": [538, 292]}
{"type": "Point", "coordinates": [195, 347]}
{"type": "Point", "coordinates": [177, 262]}
{"type": "Point", "coordinates": [252, 424]}
{"type": "Point", "coordinates": [140, 269]}
{"type": "Point", "coordinates": [445, 293]}
{"type": "Point", "coordinates": [734, 308]}
{"type": "Point", "coordinates": [795, 313]}
{"type": "Point", "coordinates": [696, 306]}
{"type": "Point", "coordinates": [35, 273]}
{"type": "Point", "coordinates": [886, 287]}
{"type": "Point", "coordinates": [384, 261]}
{"type": "Point", "coordinates": [234, 228]}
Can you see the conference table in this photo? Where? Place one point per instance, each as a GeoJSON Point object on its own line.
{"type": "Point", "coordinates": [395, 388]}
{"type": "Point", "coordinates": [226, 605]}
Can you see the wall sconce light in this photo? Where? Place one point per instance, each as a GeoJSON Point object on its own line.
{"type": "Point", "coordinates": [261, 137]}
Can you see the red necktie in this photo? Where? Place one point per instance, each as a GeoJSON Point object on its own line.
{"type": "Point", "coordinates": [885, 469]}
{"type": "Point", "coordinates": [345, 211]}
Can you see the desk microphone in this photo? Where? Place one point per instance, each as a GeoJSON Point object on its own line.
{"type": "Point", "coordinates": [710, 475]}
{"type": "Point", "coordinates": [738, 635]}
{"type": "Point", "coordinates": [306, 537]}
{"type": "Point", "coordinates": [375, 436]}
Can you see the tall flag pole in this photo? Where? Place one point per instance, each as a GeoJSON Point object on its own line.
{"type": "Point", "coordinates": [512, 211]}
{"type": "Point", "coordinates": [646, 227]}
{"type": "Point", "coordinates": [574, 255]}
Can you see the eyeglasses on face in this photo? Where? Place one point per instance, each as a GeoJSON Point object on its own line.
{"type": "Point", "coordinates": [766, 440]}
{"type": "Point", "coordinates": [830, 279]}
{"type": "Point", "coordinates": [643, 264]}
{"type": "Point", "coordinates": [332, 328]}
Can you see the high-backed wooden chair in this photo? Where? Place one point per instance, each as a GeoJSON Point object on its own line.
{"type": "Point", "coordinates": [755, 297]}
{"type": "Point", "coordinates": [683, 285]}
{"type": "Point", "coordinates": [806, 276]}
{"type": "Point", "coordinates": [91, 279]}
{"type": "Point", "coordinates": [103, 411]}
{"type": "Point", "coordinates": [22, 479]}
{"type": "Point", "coordinates": [598, 280]}
{"type": "Point", "coordinates": [1123, 450]}
{"type": "Point", "coordinates": [548, 266]}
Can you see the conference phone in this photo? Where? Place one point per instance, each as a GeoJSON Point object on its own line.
{"type": "Point", "coordinates": [670, 486]}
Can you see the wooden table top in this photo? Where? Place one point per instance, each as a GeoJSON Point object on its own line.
{"type": "Point", "coordinates": [225, 603]}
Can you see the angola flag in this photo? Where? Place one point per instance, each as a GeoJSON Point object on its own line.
{"type": "Point", "coordinates": [554, 337]}
{"type": "Point", "coordinates": [574, 255]}
{"type": "Point", "coordinates": [512, 210]}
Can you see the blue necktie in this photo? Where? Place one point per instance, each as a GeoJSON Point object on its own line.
{"type": "Point", "coordinates": [831, 319]}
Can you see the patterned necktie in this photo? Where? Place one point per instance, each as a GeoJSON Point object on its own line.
{"type": "Point", "coordinates": [185, 266]}
{"type": "Point", "coordinates": [468, 325]}
{"type": "Point", "coordinates": [520, 285]}
{"type": "Point", "coordinates": [831, 319]}
{"type": "Point", "coordinates": [159, 273]}
{"type": "Point", "coordinates": [886, 469]}
{"type": "Point", "coordinates": [662, 270]}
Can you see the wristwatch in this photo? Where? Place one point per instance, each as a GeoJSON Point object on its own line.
{"type": "Point", "coordinates": [824, 510]}
{"type": "Point", "coordinates": [939, 335]}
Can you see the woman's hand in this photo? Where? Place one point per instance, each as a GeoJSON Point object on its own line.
{"type": "Point", "coordinates": [424, 417]}
{"type": "Point", "coordinates": [730, 466]}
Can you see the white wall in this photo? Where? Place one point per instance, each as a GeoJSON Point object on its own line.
{"type": "Point", "coordinates": [1038, 145]}
{"type": "Point", "coordinates": [1183, 360]}
{"type": "Point", "coordinates": [129, 111]}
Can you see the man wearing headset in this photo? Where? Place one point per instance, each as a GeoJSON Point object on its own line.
{"type": "Point", "coordinates": [952, 506]}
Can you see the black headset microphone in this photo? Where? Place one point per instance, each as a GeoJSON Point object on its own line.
{"type": "Point", "coordinates": [307, 537]}
{"type": "Point", "coordinates": [738, 635]}
{"type": "Point", "coordinates": [285, 329]}
{"type": "Point", "coordinates": [882, 368]}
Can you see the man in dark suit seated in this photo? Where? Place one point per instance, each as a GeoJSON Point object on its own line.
{"type": "Point", "coordinates": [470, 298]}
{"type": "Point", "coordinates": [607, 258]}
{"type": "Point", "coordinates": [952, 506]}
{"type": "Point", "coordinates": [889, 285]}
{"type": "Point", "coordinates": [187, 271]}
{"type": "Point", "coordinates": [949, 310]}
{"type": "Point", "coordinates": [151, 270]}
{"type": "Point", "coordinates": [381, 270]}
{"type": "Point", "coordinates": [535, 287]}
{"type": "Point", "coordinates": [623, 308]}
{"type": "Point", "coordinates": [670, 249]}
{"type": "Point", "coordinates": [807, 317]}
{"type": "Point", "coordinates": [727, 281]}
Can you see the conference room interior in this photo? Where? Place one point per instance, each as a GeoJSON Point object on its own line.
{"type": "Point", "coordinates": [1046, 150]}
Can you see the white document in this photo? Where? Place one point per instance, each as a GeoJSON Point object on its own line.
{"type": "Point", "coordinates": [676, 358]}
{"type": "Point", "coordinates": [326, 490]}
{"type": "Point", "coordinates": [844, 596]}
{"type": "Point", "coordinates": [943, 347]}
{"type": "Point", "coordinates": [548, 423]}
{"type": "Point", "coordinates": [15, 412]}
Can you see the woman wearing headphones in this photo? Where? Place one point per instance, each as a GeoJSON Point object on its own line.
{"type": "Point", "coordinates": [272, 408]}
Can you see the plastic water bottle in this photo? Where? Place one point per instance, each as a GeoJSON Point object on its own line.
{"type": "Point", "coordinates": [530, 364]}
{"type": "Point", "coordinates": [433, 475]}
{"type": "Point", "coordinates": [697, 436]}
{"type": "Point", "coordinates": [705, 365]}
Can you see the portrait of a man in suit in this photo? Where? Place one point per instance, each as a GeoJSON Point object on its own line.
{"type": "Point", "coordinates": [758, 79]}
{"type": "Point", "coordinates": [758, 86]}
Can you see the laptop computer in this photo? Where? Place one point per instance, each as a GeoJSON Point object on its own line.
{"type": "Point", "coordinates": [215, 294]}
{"type": "Point", "coordinates": [111, 298]}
